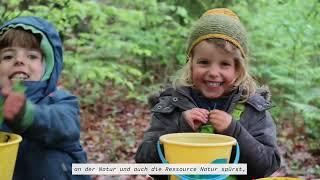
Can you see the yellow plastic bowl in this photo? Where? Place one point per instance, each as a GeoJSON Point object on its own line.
{"type": "Point", "coordinates": [200, 148]}
{"type": "Point", "coordinates": [9, 144]}
{"type": "Point", "coordinates": [196, 147]}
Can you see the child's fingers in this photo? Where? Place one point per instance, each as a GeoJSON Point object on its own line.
{"type": "Point", "coordinates": [212, 113]}
{"type": "Point", "coordinates": [13, 105]}
{"type": "Point", "coordinates": [196, 124]}
{"type": "Point", "coordinates": [220, 120]}
{"type": "Point", "coordinates": [216, 113]}
{"type": "Point", "coordinates": [205, 112]}
{"type": "Point", "coordinates": [195, 117]}
{"type": "Point", "coordinates": [200, 116]}
{"type": "Point", "coordinates": [5, 85]}
{"type": "Point", "coordinates": [215, 116]}
{"type": "Point", "coordinates": [195, 120]}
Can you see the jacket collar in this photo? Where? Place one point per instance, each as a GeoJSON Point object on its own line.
{"type": "Point", "coordinates": [182, 98]}
{"type": "Point", "coordinates": [259, 102]}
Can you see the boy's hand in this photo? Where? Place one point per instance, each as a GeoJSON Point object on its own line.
{"type": "Point", "coordinates": [14, 106]}
{"type": "Point", "coordinates": [220, 120]}
{"type": "Point", "coordinates": [5, 86]}
{"type": "Point", "coordinates": [195, 117]}
{"type": "Point", "coordinates": [14, 102]}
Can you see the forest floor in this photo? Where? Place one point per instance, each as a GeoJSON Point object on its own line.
{"type": "Point", "coordinates": [112, 132]}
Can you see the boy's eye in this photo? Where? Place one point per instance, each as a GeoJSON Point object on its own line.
{"type": "Point", "coordinates": [6, 57]}
{"type": "Point", "coordinates": [32, 56]}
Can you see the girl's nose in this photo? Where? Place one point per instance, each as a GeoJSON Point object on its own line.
{"type": "Point", "coordinates": [213, 70]}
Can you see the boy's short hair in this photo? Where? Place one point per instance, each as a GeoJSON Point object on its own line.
{"type": "Point", "coordinates": [19, 37]}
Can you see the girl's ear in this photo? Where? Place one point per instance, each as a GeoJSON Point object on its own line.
{"type": "Point", "coordinates": [239, 67]}
{"type": "Point", "coordinates": [238, 71]}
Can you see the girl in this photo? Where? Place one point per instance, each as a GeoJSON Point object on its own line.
{"type": "Point", "coordinates": [215, 88]}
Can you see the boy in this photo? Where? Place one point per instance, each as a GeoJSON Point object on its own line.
{"type": "Point", "coordinates": [45, 117]}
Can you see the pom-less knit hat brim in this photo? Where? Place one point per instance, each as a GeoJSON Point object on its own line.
{"type": "Point", "coordinates": [219, 23]}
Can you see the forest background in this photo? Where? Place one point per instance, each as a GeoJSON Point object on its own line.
{"type": "Point", "coordinates": [118, 52]}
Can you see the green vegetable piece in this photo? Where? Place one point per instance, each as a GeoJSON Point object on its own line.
{"type": "Point", "coordinates": [207, 129]}
{"type": "Point", "coordinates": [18, 87]}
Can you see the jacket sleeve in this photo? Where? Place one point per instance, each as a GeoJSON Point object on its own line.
{"type": "Point", "coordinates": [257, 143]}
{"type": "Point", "coordinates": [53, 124]}
{"type": "Point", "coordinates": [147, 151]}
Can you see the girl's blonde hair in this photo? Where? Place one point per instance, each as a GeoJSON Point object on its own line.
{"type": "Point", "coordinates": [244, 80]}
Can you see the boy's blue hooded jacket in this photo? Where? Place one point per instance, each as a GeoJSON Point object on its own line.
{"type": "Point", "coordinates": [50, 127]}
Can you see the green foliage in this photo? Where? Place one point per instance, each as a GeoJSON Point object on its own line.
{"type": "Point", "coordinates": [131, 47]}
{"type": "Point", "coordinates": [127, 42]}
{"type": "Point", "coordinates": [139, 44]}
{"type": "Point", "coordinates": [285, 39]}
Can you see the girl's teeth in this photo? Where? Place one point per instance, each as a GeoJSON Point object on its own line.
{"type": "Point", "coordinates": [214, 84]}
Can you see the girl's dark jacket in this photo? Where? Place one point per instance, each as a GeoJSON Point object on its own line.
{"type": "Point", "coordinates": [50, 126]}
{"type": "Point", "coordinates": [255, 131]}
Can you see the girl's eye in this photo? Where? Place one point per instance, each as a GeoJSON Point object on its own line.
{"type": "Point", "coordinates": [203, 62]}
{"type": "Point", "coordinates": [226, 64]}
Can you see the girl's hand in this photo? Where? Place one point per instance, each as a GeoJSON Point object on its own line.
{"type": "Point", "coordinates": [220, 120]}
{"type": "Point", "coordinates": [195, 117]}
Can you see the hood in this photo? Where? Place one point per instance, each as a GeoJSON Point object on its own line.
{"type": "Point", "coordinates": [51, 46]}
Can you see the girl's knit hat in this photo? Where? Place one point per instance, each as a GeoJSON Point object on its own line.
{"type": "Point", "coordinates": [219, 23]}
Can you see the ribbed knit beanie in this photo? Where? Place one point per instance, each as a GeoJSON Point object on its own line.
{"type": "Point", "coordinates": [219, 23]}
